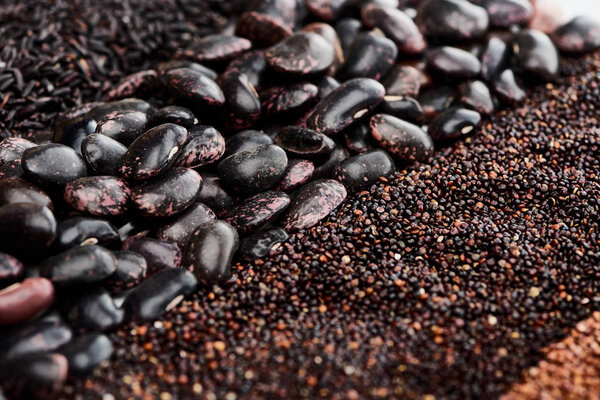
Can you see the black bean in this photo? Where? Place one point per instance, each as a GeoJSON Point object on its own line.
{"type": "Point", "coordinates": [137, 84]}
{"type": "Point", "coordinates": [246, 140]}
{"type": "Point", "coordinates": [217, 48]}
{"type": "Point", "coordinates": [254, 66]}
{"type": "Point", "coordinates": [12, 148]}
{"type": "Point", "coordinates": [94, 310]}
{"type": "Point", "coordinates": [535, 53]}
{"type": "Point", "coordinates": [302, 53]}
{"type": "Point", "coordinates": [328, 33]}
{"type": "Point", "coordinates": [256, 211]}
{"type": "Point", "coordinates": [356, 138]}
{"type": "Point", "coordinates": [328, 10]}
{"type": "Point", "coordinates": [363, 170]}
{"type": "Point", "coordinates": [103, 196]}
{"type": "Point", "coordinates": [193, 87]}
{"type": "Point", "coordinates": [475, 95]}
{"type": "Point", "coordinates": [507, 87]}
{"type": "Point", "coordinates": [74, 132]}
{"type": "Point", "coordinates": [18, 190]}
{"type": "Point", "coordinates": [34, 337]}
{"type": "Point", "coordinates": [451, 20]}
{"type": "Point", "coordinates": [402, 80]}
{"type": "Point", "coordinates": [86, 352]}
{"type": "Point", "coordinates": [26, 228]}
{"type": "Point", "coordinates": [242, 105]}
{"type": "Point", "coordinates": [131, 271]}
{"type": "Point", "coordinates": [304, 142]}
{"type": "Point", "coordinates": [436, 99]}
{"type": "Point", "coordinates": [325, 167]}
{"type": "Point", "coordinates": [286, 99]}
{"type": "Point", "coordinates": [102, 154]}
{"type": "Point", "coordinates": [53, 164]}
{"type": "Point", "coordinates": [452, 62]}
{"type": "Point", "coordinates": [33, 376]}
{"type": "Point", "coordinates": [204, 145]}
{"type": "Point", "coordinates": [262, 29]}
{"type": "Point", "coordinates": [326, 85]}
{"type": "Point", "coordinates": [101, 111]}
{"type": "Point", "coordinates": [123, 126]}
{"type": "Point", "coordinates": [297, 173]}
{"type": "Point", "coordinates": [82, 264]}
{"type": "Point", "coordinates": [159, 255]}
{"type": "Point", "coordinates": [494, 58]}
{"type": "Point", "coordinates": [181, 227]}
{"type": "Point", "coordinates": [11, 169]}
{"type": "Point", "coordinates": [403, 107]}
{"type": "Point", "coordinates": [504, 13]}
{"type": "Point", "coordinates": [396, 25]}
{"type": "Point", "coordinates": [454, 123]}
{"type": "Point", "coordinates": [76, 231]}
{"type": "Point", "coordinates": [163, 67]}
{"type": "Point", "coordinates": [579, 35]}
{"type": "Point", "coordinates": [347, 30]}
{"type": "Point", "coordinates": [402, 139]}
{"type": "Point", "coordinates": [213, 195]}
{"type": "Point", "coordinates": [174, 115]}
{"type": "Point", "coordinates": [371, 56]}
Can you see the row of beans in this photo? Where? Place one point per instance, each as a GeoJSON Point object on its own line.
{"type": "Point", "coordinates": [137, 202]}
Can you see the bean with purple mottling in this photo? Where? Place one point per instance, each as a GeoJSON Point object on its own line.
{"type": "Point", "coordinates": [302, 53]}
{"type": "Point", "coordinates": [256, 211]}
{"type": "Point", "coordinates": [123, 126]}
{"type": "Point", "coordinates": [204, 145]}
{"type": "Point", "coordinates": [103, 196]}
{"type": "Point", "coordinates": [402, 139]}
{"type": "Point", "coordinates": [82, 264]}
{"type": "Point", "coordinates": [181, 227]}
{"type": "Point", "coordinates": [159, 255]}
{"type": "Point", "coordinates": [297, 173]}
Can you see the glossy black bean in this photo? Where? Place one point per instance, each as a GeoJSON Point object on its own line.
{"type": "Point", "coordinates": [454, 123]}
{"type": "Point", "coordinates": [475, 95]}
{"type": "Point", "coordinates": [353, 100]}
{"type": "Point", "coordinates": [285, 10]}
{"type": "Point", "coordinates": [256, 211]}
{"type": "Point", "coordinates": [10, 268]}
{"type": "Point", "coordinates": [130, 104]}
{"type": "Point", "coordinates": [213, 195]}
{"type": "Point", "coordinates": [26, 229]}
{"type": "Point", "coordinates": [102, 196]}
{"type": "Point", "coordinates": [102, 154]}
{"type": "Point", "coordinates": [82, 264]}
{"type": "Point", "coordinates": [174, 115]}
{"type": "Point", "coordinates": [193, 87]}
{"type": "Point", "coordinates": [163, 67]}
{"type": "Point", "coordinates": [356, 138]}
{"type": "Point", "coordinates": [12, 148]}
{"type": "Point", "coordinates": [262, 29]}
{"type": "Point", "coordinates": [94, 310]}
{"type": "Point", "coordinates": [131, 271]}
{"type": "Point", "coordinates": [452, 62]}
{"type": "Point", "coordinates": [313, 203]}
{"type": "Point", "coordinates": [504, 13]}
{"type": "Point", "coordinates": [168, 194]}
{"type": "Point", "coordinates": [304, 142]}
{"type": "Point", "coordinates": [347, 30]}
{"type": "Point", "coordinates": [123, 126]}
{"type": "Point", "coordinates": [11, 169]}
{"type": "Point", "coordinates": [138, 84]}
{"type": "Point", "coordinates": [246, 140]}
{"type": "Point", "coordinates": [204, 145]}
{"type": "Point", "coordinates": [326, 85]}
{"type": "Point", "coordinates": [402, 80]}
{"type": "Point", "coordinates": [325, 168]}
{"type": "Point", "coordinates": [535, 54]}
{"type": "Point", "coordinates": [371, 56]}
{"type": "Point", "coordinates": [396, 25]}
{"type": "Point", "coordinates": [506, 86]}
{"type": "Point", "coordinates": [86, 352]}
{"type": "Point", "coordinates": [209, 251]}
{"type": "Point", "coordinates": [34, 337]}
{"type": "Point", "coordinates": [494, 58]}
{"type": "Point", "coordinates": [297, 173]}
{"type": "Point", "coordinates": [255, 170]}
{"type": "Point", "coordinates": [579, 35]}
{"type": "Point", "coordinates": [159, 255]}
{"type": "Point", "coordinates": [302, 53]}
{"type": "Point", "coordinates": [327, 32]}
{"type": "Point", "coordinates": [403, 107]}
{"type": "Point", "coordinates": [74, 132]}
{"type": "Point", "coordinates": [363, 170]}
{"type": "Point", "coordinates": [53, 164]}
{"type": "Point", "coordinates": [76, 231]}
{"type": "Point", "coordinates": [158, 294]}
{"type": "Point", "coordinates": [287, 99]}
{"type": "Point", "coordinates": [217, 48]}
{"type": "Point", "coordinates": [153, 153]}
{"type": "Point", "coordinates": [254, 66]}
{"type": "Point", "coordinates": [181, 227]}
{"type": "Point", "coordinates": [328, 10]}
{"type": "Point", "coordinates": [260, 244]}
{"type": "Point", "coordinates": [402, 139]}
{"type": "Point", "coordinates": [242, 105]}
{"type": "Point", "coordinates": [18, 190]}
{"type": "Point", "coordinates": [451, 20]}
{"type": "Point", "coordinates": [33, 376]}
{"type": "Point", "coordinates": [436, 99]}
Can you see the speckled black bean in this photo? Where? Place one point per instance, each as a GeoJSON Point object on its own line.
{"type": "Point", "coordinates": [82, 264]}
{"type": "Point", "coordinates": [363, 170]}
{"type": "Point", "coordinates": [18, 190]}
{"type": "Point", "coordinates": [452, 62]}
{"type": "Point", "coordinates": [204, 145]}
{"type": "Point", "coordinates": [242, 105]}
{"type": "Point", "coordinates": [74, 132]}
{"type": "Point", "coordinates": [356, 138]}
{"type": "Point", "coordinates": [350, 102]}
{"type": "Point", "coordinates": [326, 85]}
{"type": "Point", "coordinates": [347, 29]}
{"type": "Point", "coordinates": [436, 99]}
{"type": "Point", "coordinates": [313, 203]}
{"type": "Point", "coordinates": [371, 56]}
{"type": "Point", "coordinates": [163, 67]}
{"type": "Point", "coordinates": [181, 227]}
{"type": "Point", "coordinates": [53, 164]}
{"type": "Point", "coordinates": [494, 58]}
{"type": "Point", "coordinates": [297, 173]}
{"type": "Point", "coordinates": [123, 126]}
{"type": "Point", "coordinates": [451, 20]}
{"type": "Point", "coordinates": [288, 11]}
{"type": "Point", "coordinates": [86, 352]}
{"type": "Point", "coordinates": [193, 87]}
{"type": "Point", "coordinates": [579, 35]}
{"type": "Point", "coordinates": [131, 104]}
{"type": "Point", "coordinates": [209, 251]}
{"type": "Point", "coordinates": [159, 255]}
{"type": "Point", "coordinates": [260, 244]}
{"type": "Point", "coordinates": [327, 32]}
{"type": "Point", "coordinates": [103, 196]}
{"type": "Point", "coordinates": [506, 86]}
{"type": "Point", "coordinates": [287, 99]}
{"type": "Point", "coordinates": [262, 29]}
{"type": "Point", "coordinates": [94, 310]}
{"type": "Point", "coordinates": [402, 80]}
{"type": "Point", "coordinates": [153, 153]}
{"type": "Point", "coordinates": [475, 95]}
{"type": "Point", "coordinates": [102, 154]}
{"type": "Point", "coordinates": [396, 25]}
{"type": "Point", "coordinates": [131, 271]}
{"type": "Point", "coordinates": [213, 194]}
{"type": "Point", "coordinates": [535, 53]}
{"type": "Point", "coordinates": [325, 167]}
{"type": "Point", "coordinates": [138, 84]}
{"type": "Point", "coordinates": [254, 65]}
{"type": "Point", "coordinates": [504, 13]}
{"type": "Point", "coordinates": [34, 337]}
{"type": "Point", "coordinates": [454, 123]}
{"type": "Point", "coordinates": [246, 140]}
{"type": "Point", "coordinates": [217, 48]}
{"type": "Point", "coordinates": [12, 148]}
{"type": "Point", "coordinates": [33, 376]}
{"type": "Point", "coordinates": [403, 107]}
{"type": "Point", "coordinates": [302, 53]}
{"type": "Point", "coordinates": [10, 268]}
{"type": "Point", "coordinates": [26, 229]}
{"type": "Point", "coordinates": [174, 115]}
{"type": "Point", "coordinates": [11, 169]}
{"type": "Point", "coordinates": [328, 10]}
{"type": "Point", "coordinates": [303, 142]}
{"type": "Point", "coordinates": [255, 170]}
{"type": "Point", "coordinates": [168, 194]}
{"type": "Point", "coordinates": [158, 294]}
{"type": "Point", "coordinates": [402, 139]}
{"type": "Point", "coordinates": [256, 211]}
{"type": "Point", "coordinates": [76, 231]}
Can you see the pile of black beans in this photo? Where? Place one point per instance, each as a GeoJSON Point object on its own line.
{"type": "Point", "coordinates": [251, 134]}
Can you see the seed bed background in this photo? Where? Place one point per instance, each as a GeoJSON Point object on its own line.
{"type": "Point", "coordinates": [448, 280]}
